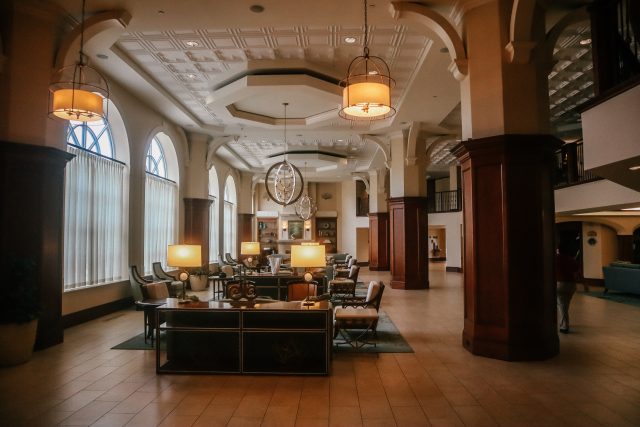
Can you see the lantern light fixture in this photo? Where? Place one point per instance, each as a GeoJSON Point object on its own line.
{"type": "Point", "coordinates": [78, 92]}
{"type": "Point", "coordinates": [367, 87]}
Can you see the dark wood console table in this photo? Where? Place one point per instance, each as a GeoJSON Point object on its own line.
{"type": "Point", "coordinates": [270, 338]}
{"type": "Point", "coordinates": [275, 285]}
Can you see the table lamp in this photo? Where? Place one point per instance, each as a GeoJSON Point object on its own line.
{"type": "Point", "coordinates": [308, 255]}
{"type": "Point", "coordinates": [249, 248]}
{"type": "Point", "coordinates": [184, 256]}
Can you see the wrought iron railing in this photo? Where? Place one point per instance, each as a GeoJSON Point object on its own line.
{"type": "Point", "coordinates": [569, 166]}
{"type": "Point", "coordinates": [444, 201]}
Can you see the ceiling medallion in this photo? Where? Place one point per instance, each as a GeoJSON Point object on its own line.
{"type": "Point", "coordinates": [367, 87]}
{"type": "Point", "coordinates": [305, 206]}
{"type": "Point", "coordinates": [284, 181]}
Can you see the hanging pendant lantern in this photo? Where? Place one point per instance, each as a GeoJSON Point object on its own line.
{"type": "Point", "coordinates": [305, 206]}
{"type": "Point", "coordinates": [367, 87]}
{"type": "Point", "coordinates": [284, 181]}
{"type": "Point", "coordinates": [78, 92]}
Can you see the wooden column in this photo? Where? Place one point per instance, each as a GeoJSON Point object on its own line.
{"type": "Point", "coordinates": [379, 241]}
{"type": "Point", "coordinates": [408, 247]}
{"type": "Point", "coordinates": [196, 225]}
{"type": "Point", "coordinates": [31, 217]}
{"type": "Point", "coordinates": [245, 234]}
{"type": "Point", "coordinates": [509, 283]}
{"type": "Point", "coordinates": [625, 248]}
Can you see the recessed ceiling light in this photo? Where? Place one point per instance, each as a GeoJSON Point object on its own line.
{"type": "Point", "coordinates": [585, 42]}
{"type": "Point", "coordinates": [102, 56]}
{"type": "Point", "coordinates": [256, 8]}
{"type": "Point", "coordinates": [350, 40]}
{"type": "Point", "coordinates": [631, 209]}
{"type": "Point", "coordinates": [191, 76]}
{"type": "Point", "coordinates": [634, 168]}
{"type": "Point", "coordinates": [340, 140]}
{"type": "Point", "coordinates": [192, 43]}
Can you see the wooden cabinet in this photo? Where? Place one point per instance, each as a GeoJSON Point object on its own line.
{"type": "Point", "coordinates": [268, 235]}
{"type": "Point", "coordinates": [327, 233]}
{"type": "Point", "coordinates": [272, 338]}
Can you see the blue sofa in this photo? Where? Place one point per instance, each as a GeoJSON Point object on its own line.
{"type": "Point", "coordinates": [622, 277]}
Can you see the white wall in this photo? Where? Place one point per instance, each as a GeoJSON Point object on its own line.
{"type": "Point", "coordinates": [594, 257]}
{"type": "Point", "coordinates": [348, 221]}
{"type": "Point", "coordinates": [610, 130]}
{"type": "Point", "coordinates": [453, 225]}
{"type": "Point", "coordinates": [600, 194]}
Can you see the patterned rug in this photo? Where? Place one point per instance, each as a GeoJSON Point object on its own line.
{"type": "Point", "coordinates": [630, 299]}
{"type": "Point", "coordinates": [389, 341]}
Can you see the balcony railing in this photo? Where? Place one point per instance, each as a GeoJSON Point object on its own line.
{"type": "Point", "coordinates": [444, 201]}
{"type": "Point", "coordinates": [569, 166]}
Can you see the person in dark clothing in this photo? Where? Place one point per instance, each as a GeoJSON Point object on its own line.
{"type": "Point", "coordinates": [567, 273]}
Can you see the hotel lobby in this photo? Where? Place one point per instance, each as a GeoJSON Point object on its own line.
{"type": "Point", "coordinates": [508, 127]}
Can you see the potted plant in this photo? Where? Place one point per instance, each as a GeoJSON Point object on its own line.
{"type": "Point", "coordinates": [19, 315]}
{"type": "Point", "coordinates": [198, 279]}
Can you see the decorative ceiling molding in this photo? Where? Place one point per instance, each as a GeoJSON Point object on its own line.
{"type": "Point", "coordinates": [384, 148]}
{"type": "Point", "coordinates": [439, 25]}
{"type": "Point", "coordinates": [106, 25]}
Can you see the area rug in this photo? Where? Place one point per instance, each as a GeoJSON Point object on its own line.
{"type": "Point", "coordinates": [630, 299]}
{"type": "Point", "coordinates": [389, 341]}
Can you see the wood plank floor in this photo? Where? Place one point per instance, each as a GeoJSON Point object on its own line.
{"type": "Point", "coordinates": [595, 381]}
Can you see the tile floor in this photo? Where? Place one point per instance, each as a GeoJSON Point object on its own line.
{"type": "Point", "coordinates": [595, 381]}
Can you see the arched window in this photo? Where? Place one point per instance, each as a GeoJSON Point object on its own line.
{"type": "Point", "coordinates": [230, 221]}
{"type": "Point", "coordinates": [214, 226]}
{"type": "Point", "coordinates": [161, 201]}
{"type": "Point", "coordinates": [95, 225]}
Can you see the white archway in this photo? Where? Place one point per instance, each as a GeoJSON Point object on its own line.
{"type": "Point", "coordinates": [214, 209]}
{"type": "Point", "coordinates": [230, 217]}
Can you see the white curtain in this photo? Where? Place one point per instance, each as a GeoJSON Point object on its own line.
{"type": "Point", "coordinates": [159, 220]}
{"type": "Point", "coordinates": [94, 232]}
{"type": "Point", "coordinates": [230, 228]}
{"type": "Point", "coordinates": [213, 231]}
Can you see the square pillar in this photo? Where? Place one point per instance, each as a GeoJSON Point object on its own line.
{"type": "Point", "coordinates": [379, 241]}
{"type": "Point", "coordinates": [196, 225]}
{"type": "Point", "coordinates": [409, 246]}
{"type": "Point", "coordinates": [509, 282]}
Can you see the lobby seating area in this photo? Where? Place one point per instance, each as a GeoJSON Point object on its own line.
{"type": "Point", "coordinates": [592, 382]}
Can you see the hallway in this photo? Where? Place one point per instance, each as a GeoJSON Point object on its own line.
{"type": "Point", "coordinates": [595, 381]}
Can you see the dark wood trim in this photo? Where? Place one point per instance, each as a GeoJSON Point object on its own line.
{"type": "Point", "coordinates": [379, 241]}
{"type": "Point", "coordinates": [438, 259]}
{"type": "Point", "coordinates": [245, 229]}
{"type": "Point", "coordinates": [593, 282]}
{"type": "Point", "coordinates": [454, 269]}
{"type": "Point", "coordinates": [82, 316]}
{"type": "Point", "coordinates": [363, 264]}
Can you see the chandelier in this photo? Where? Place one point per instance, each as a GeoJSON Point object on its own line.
{"type": "Point", "coordinates": [367, 87]}
{"type": "Point", "coordinates": [283, 181]}
{"type": "Point", "coordinates": [78, 92]}
{"type": "Point", "coordinates": [305, 206]}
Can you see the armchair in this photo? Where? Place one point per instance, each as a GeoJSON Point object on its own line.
{"type": "Point", "coordinates": [227, 257]}
{"type": "Point", "coordinates": [346, 272]}
{"type": "Point", "coordinates": [175, 286]}
{"type": "Point", "coordinates": [359, 314]}
{"type": "Point", "coordinates": [142, 300]}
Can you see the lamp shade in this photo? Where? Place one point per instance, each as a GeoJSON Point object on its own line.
{"type": "Point", "coordinates": [250, 248]}
{"type": "Point", "coordinates": [184, 256]}
{"type": "Point", "coordinates": [366, 100]}
{"type": "Point", "coordinates": [77, 104]}
{"type": "Point", "coordinates": [308, 256]}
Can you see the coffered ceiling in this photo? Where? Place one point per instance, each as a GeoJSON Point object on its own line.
{"type": "Point", "coordinates": [219, 67]}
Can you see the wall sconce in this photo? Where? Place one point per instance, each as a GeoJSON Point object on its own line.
{"type": "Point", "coordinates": [285, 225]}
{"type": "Point", "coordinates": [307, 225]}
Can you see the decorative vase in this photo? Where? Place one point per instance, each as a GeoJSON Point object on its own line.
{"type": "Point", "coordinates": [198, 282]}
{"type": "Point", "coordinates": [16, 342]}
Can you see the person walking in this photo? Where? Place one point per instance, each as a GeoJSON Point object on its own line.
{"type": "Point", "coordinates": [567, 272]}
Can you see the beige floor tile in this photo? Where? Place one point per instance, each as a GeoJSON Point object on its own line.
{"type": "Point", "coordinates": [113, 420]}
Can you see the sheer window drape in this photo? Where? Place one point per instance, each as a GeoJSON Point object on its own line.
{"type": "Point", "coordinates": [213, 231]}
{"type": "Point", "coordinates": [159, 220]}
{"type": "Point", "coordinates": [94, 233]}
{"type": "Point", "coordinates": [229, 228]}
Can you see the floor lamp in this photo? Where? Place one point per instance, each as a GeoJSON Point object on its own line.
{"type": "Point", "coordinates": [183, 257]}
{"type": "Point", "coordinates": [308, 255]}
